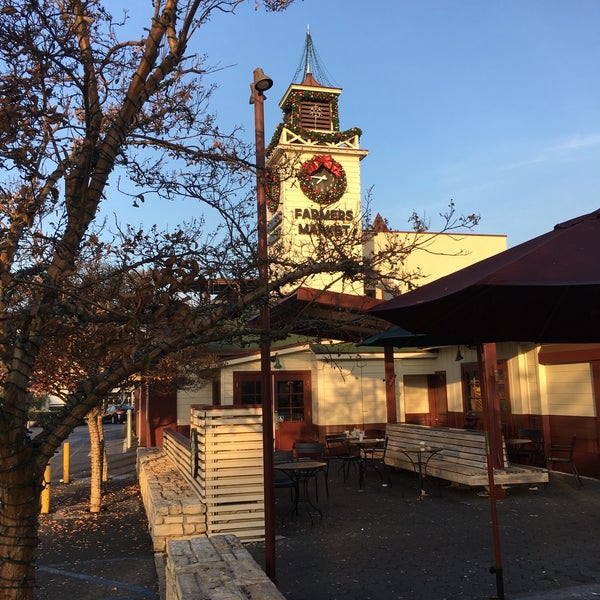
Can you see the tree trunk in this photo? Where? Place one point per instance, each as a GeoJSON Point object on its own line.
{"type": "Point", "coordinates": [19, 508]}
{"type": "Point", "coordinates": [103, 444]}
{"type": "Point", "coordinates": [96, 458]}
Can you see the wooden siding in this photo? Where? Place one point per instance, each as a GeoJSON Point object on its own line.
{"type": "Point", "coordinates": [349, 392]}
{"type": "Point", "coordinates": [569, 390]}
{"type": "Point", "coordinates": [229, 447]}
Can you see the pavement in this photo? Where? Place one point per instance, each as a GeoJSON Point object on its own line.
{"type": "Point", "coordinates": [381, 543]}
{"type": "Point", "coordinates": [106, 555]}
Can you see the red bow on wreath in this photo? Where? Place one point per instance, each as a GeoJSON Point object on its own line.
{"type": "Point", "coordinates": [326, 161]}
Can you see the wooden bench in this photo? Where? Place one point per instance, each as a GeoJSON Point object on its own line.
{"type": "Point", "coordinates": [463, 459]}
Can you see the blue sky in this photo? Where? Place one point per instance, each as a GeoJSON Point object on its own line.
{"type": "Point", "coordinates": [495, 104]}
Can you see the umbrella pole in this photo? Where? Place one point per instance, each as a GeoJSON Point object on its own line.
{"type": "Point", "coordinates": [486, 357]}
{"type": "Point", "coordinates": [497, 568]}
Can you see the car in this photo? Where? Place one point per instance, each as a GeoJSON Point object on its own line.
{"type": "Point", "coordinates": [117, 413]}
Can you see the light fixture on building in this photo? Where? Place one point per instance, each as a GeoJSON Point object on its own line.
{"type": "Point", "coordinates": [458, 356]}
{"type": "Point", "coordinates": [276, 362]}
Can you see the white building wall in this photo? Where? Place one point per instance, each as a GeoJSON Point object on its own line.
{"type": "Point", "coordinates": [349, 390]}
{"type": "Point", "coordinates": [187, 398]}
{"type": "Point", "coordinates": [523, 381]}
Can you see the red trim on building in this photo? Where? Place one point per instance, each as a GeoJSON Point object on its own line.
{"type": "Point", "coordinates": [552, 354]}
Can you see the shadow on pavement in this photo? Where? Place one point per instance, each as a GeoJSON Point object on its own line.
{"type": "Point", "coordinates": [91, 556]}
{"type": "Point", "coordinates": [379, 544]}
{"type": "Point", "coordinates": [383, 543]}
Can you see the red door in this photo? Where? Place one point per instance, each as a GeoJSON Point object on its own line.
{"type": "Point", "coordinates": [438, 399]}
{"type": "Point", "coordinates": [472, 394]}
{"type": "Point", "coordinates": [293, 408]}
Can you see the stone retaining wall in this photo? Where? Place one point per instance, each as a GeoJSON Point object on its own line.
{"type": "Point", "coordinates": [215, 568]}
{"type": "Point", "coordinates": [174, 510]}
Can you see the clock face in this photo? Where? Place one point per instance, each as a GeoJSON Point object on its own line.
{"type": "Point", "coordinates": [322, 180]}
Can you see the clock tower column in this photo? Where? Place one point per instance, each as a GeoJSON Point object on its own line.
{"type": "Point", "coordinates": [314, 193]}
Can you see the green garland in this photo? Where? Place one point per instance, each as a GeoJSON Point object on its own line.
{"type": "Point", "coordinates": [333, 137]}
{"type": "Point", "coordinates": [291, 120]}
{"type": "Point", "coordinates": [272, 188]}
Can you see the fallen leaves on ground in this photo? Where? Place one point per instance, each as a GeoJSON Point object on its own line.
{"type": "Point", "coordinates": [70, 532]}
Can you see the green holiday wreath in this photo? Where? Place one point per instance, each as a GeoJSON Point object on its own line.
{"type": "Point", "coordinates": [335, 168]}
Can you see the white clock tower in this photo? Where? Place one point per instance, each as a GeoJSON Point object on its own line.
{"type": "Point", "coordinates": [314, 192]}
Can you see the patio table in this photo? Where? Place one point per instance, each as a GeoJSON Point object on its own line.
{"type": "Point", "coordinates": [301, 472]}
{"type": "Point", "coordinates": [423, 455]}
{"type": "Point", "coordinates": [366, 447]}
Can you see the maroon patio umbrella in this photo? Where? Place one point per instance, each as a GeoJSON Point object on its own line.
{"type": "Point", "coordinates": [544, 290]}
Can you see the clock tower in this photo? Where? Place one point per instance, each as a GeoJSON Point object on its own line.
{"type": "Point", "coordinates": [313, 190]}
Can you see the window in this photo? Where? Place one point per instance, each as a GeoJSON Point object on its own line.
{"type": "Point", "coordinates": [472, 392]}
{"type": "Point", "coordinates": [290, 400]}
{"type": "Point", "coordinates": [247, 388]}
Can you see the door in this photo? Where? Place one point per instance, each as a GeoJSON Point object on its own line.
{"type": "Point", "coordinates": [293, 408]}
{"type": "Point", "coordinates": [292, 403]}
{"type": "Point", "coordinates": [425, 399]}
{"type": "Point", "coordinates": [438, 399]}
{"type": "Point", "coordinates": [472, 395]}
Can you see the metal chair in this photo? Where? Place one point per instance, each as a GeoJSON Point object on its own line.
{"type": "Point", "coordinates": [313, 451]}
{"type": "Point", "coordinates": [281, 479]}
{"type": "Point", "coordinates": [339, 450]}
{"type": "Point", "coordinates": [533, 453]}
{"type": "Point", "coordinates": [375, 457]}
{"type": "Point", "coordinates": [563, 453]}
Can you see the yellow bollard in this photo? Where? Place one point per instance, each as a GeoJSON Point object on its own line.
{"type": "Point", "coordinates": [128, 429]}
{"type": "Point", "coordinates": [66, 461]}
{"type": "Point", "coordinates": [46, 491]}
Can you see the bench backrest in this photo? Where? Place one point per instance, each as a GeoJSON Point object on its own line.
{"type": "Point", "coordinates": [464, 446]}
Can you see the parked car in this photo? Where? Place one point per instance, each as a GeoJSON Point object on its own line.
{"type": "Point", "coordinates": [117, 413]}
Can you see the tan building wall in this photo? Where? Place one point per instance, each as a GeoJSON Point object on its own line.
{"type": "Point", "coordinates": [434, 255]}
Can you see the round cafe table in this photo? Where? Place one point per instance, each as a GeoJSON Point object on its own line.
{"type": "Point", "coordinates": [423, 455]}
{"type": "Point", "coordinates": [301, 472]}
{"type": "Point", "coordinates": [367, 447]}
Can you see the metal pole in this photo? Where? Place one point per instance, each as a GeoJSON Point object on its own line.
{"type": "Point", "coordinates": [486, 357]}
{"type": "Point", "coordinates": [258, 99]}
{"type": "Point", "coordinates": [129, 419]}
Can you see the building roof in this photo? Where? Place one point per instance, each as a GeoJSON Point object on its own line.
{"type": "Point", "coordinates": [326, 315]}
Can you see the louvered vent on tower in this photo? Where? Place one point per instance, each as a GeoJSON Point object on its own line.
{"type": "Point", "coordinates": [315, 115]}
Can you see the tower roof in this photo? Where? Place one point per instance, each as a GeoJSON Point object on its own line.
{"type": "Point", "coordinates": [310, 71]}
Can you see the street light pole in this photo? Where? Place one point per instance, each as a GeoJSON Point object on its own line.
{"type": "Point", "coordinates": [260, 84]}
